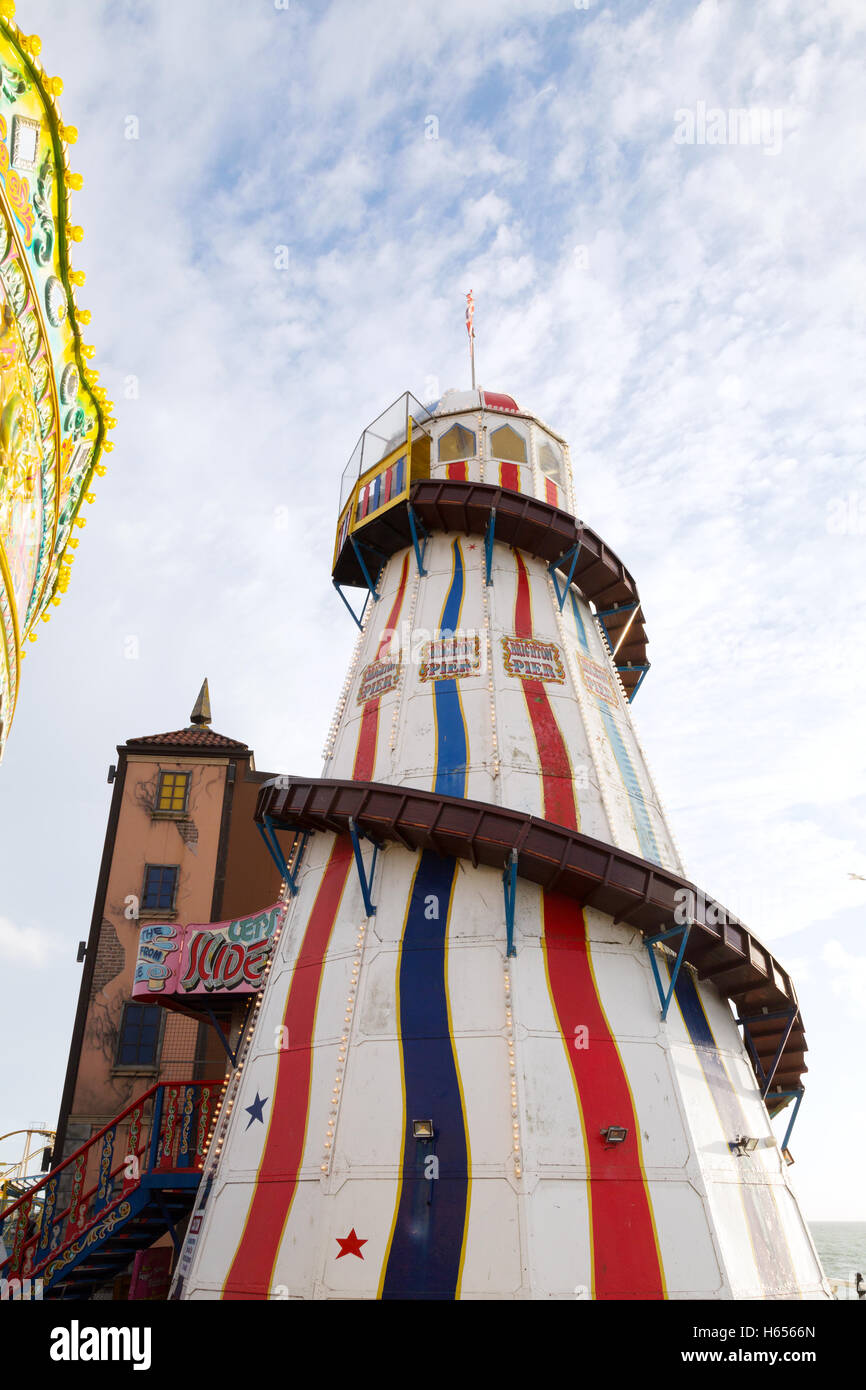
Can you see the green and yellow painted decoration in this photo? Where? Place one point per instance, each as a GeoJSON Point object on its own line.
{"type": "Point", "coordinates": [53, 414]}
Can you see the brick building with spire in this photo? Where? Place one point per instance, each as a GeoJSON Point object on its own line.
{"type": "Point", "coordinates": [181, 847]}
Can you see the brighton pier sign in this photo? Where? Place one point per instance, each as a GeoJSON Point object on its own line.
{"type": "Point", "coordinates": [178, 965]}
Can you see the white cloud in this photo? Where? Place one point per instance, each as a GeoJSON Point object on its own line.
{"type": "Point", "coordinates": [849, 981]}
{"type": "Point", "coordinates": [24, 947]}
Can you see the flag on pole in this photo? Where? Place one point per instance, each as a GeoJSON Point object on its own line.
{"type": "Point", "coordinates": [470, 315]}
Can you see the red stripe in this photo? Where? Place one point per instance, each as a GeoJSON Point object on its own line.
{"type": "Point", "coordinates": [550, 491]}
{"type": "Point", "coordinates": [457, 470]}
{"type": "Point", "coordinates": [509, 476]}
{"type": "Point", "coordinates": [625, 1256]}
{"type": "Point", "coordinates": [277, 1179]}
{"type": "Point", "coordinates": [556, 778]}
{"type": "Point", "coordinates": [365, 753]}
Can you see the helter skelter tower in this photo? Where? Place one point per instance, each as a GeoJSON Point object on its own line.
{"type": "Point", "coordinates": [494, 1056]}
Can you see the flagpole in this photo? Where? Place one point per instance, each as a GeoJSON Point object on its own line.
{"type": "Point", "coordinates": [470, 329]}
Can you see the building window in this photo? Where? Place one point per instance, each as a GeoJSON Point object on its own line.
{"type": "Point", "coordinates": [160, 887]}
{"type": "Point", "coordinates": [139, 1036]}
{"type": "Point", "coordinates": [550, 463]}
{"type": "Point", "coordinates": [456, 443]}
{"type": "Point", "coordinates": [506, 443]}
{"type": "Point", "coordinates": [172, 793]}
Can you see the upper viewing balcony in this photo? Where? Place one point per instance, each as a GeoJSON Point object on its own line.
{"type": "Point", "coordinates": [461, 437]}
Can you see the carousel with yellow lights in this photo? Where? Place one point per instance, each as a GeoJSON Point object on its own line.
{"type": "Point", "coordinates": [53, 414]}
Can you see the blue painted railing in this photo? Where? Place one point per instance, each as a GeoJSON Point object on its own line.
{"type": "Point", "coordinates": [165, 1130]}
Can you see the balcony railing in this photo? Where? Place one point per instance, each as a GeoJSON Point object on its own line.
{"type": "Point", "coordinates": [166, 1130]}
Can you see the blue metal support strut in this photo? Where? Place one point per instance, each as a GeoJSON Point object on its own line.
{"type": "Point", "coordinates": [554, 565]}
{"type": "Point", "coordinates": [650, 942]}
{"type": "Point", "coordinates": [603, 613]}
{"type": "Point", "coordinates": [275, 850]}
{"type": "Point", "coordinates": [643, 670]}
{"type": "Point", "coordinates": [488, 542]}
{"type": "Point", "coordinates": [414, 523]}
{"type": "Point", "coordinates": [232, 1056]}
{"type": "Point", "coordinates": [366, 882]}
{"type": "Point", "coordinates": [509, 885]}
{"type": "Point", "coordinates": [353, 614]}
{"type": "Point", "coordinates": [358, 546]}
{"type": "Point", "coordinates": [767, 1077]}
{"type": "Point", "coordinates": [798, 1094]}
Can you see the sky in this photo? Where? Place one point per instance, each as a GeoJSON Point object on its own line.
{"type": "Point", "coordinates": [284, 205]}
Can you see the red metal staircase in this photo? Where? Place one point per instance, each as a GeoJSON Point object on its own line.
{"type": "Point", "coordinates": [144, 1168]}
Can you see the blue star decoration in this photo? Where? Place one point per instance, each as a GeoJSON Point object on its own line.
{"type": "Point", "coordinates": [255, 1110]}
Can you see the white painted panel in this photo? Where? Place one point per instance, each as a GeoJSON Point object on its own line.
{"type": "Point", "coordinates": [688, 1254]}
{"type": "Point", "coordinates": [370, 1127]}
{"type": "Point", "coordinates": [492, 1266]}
{"type": "Point", "coordinates": [367, 1207]}
{"type": "Point", "coordinates": [551, 1132]}
{"type": "Point", "coordinates": [559, 1241]}
{"type": "Point", "coordinates": [485, 1081]}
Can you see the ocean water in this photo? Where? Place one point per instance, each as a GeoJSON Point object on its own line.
{"type": "Point", "coordinates": [841, 1247]}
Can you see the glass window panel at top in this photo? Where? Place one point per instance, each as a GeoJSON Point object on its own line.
{"type": "Point", "coordinates": [550, 463]}
{"type": "Point", "coordinates": [506, 443]}
{"type": "Point", "coordinates": [456, 443]}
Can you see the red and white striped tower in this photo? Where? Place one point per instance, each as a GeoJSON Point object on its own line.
{"type": "Point", "coordinates": [496, 1055]}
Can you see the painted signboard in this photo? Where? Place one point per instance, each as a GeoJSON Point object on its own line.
{"type": "Point", "coordinates": [449, 658]}
{"type": "Point", "coordinates": [533, 660]}
{"type": "Point", "coordinates": [211, 959]}
{"type": "Point", "coordinates": [597, 680]}
{"type": "Point", "coordinates": [377, 679]}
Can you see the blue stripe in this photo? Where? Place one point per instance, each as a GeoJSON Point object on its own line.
{"type": "Point", "coordinates": [377, 488]}
{"type": "Point", "coordinates": [645, 833]}
{"type": "Point", "coordinates": [454, 597]}
{"type": "Point", "coordinates": [451, 750]}
{"type": "Point", "coordinates": [772, 1255]}
{"type": "Point", "coordinates": [424, 1259]}
{"type": "Point", "coordinates": [401, 473]}
{"type": "Point", "coordinates": [578, 622]}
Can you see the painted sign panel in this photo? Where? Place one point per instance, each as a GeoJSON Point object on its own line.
{"type": "Point", "coordinates": [533, 660]}
{"type": "Point", "coordinates": [206, 959]}
{"type": "Point", "coordinates": [597, 680]}
{"type": "Point", "coordinates": [377, 679]}
{"type": "Point", "coordinates": [449, 658]}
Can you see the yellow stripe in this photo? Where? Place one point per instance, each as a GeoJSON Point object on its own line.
{"type": "Point", "coordinates": [463, 1109]}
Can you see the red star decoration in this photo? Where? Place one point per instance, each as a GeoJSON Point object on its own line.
{"type": "Point", "coordinates": [350, 1245]}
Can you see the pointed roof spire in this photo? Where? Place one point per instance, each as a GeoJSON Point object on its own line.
{"type": "Point", "coordinates": [201, 709]}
